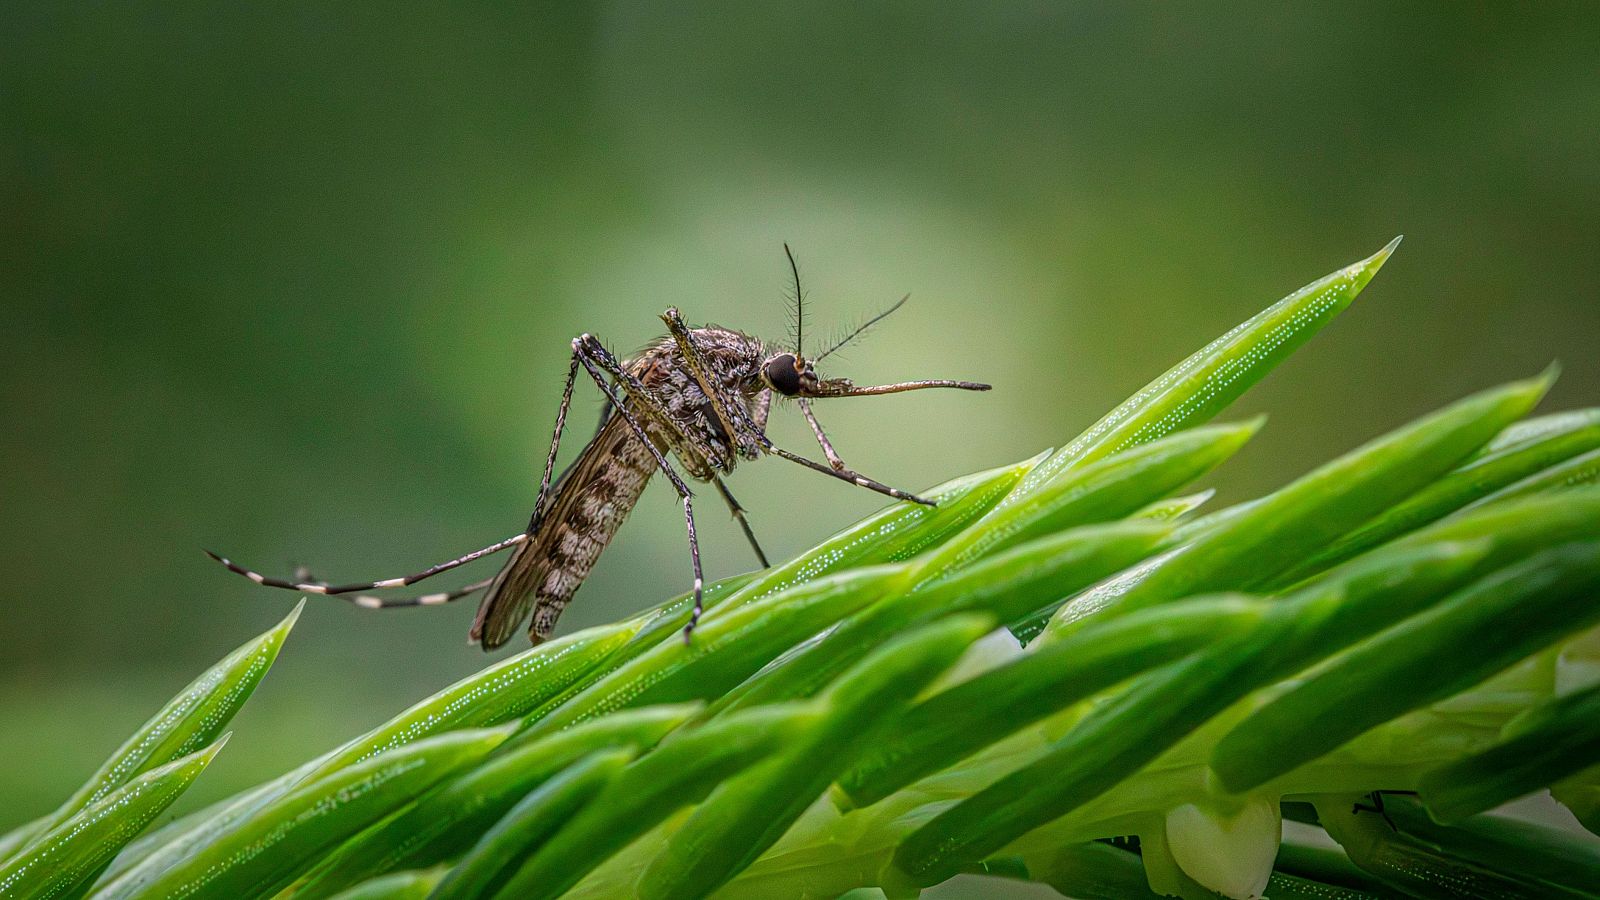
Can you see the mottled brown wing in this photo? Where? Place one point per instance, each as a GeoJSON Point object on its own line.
{"type": "Point", "coordinates": [586, 507]}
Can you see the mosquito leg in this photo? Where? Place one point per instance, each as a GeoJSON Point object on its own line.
{"type": "Point", "coordinates": [822, 436]}
{"type": "Point", "coordinates": [368, 601]}
{"type": "Point", "coordinates": [624, 378]}
{"type": "Point", "coordinates": [854, 478]}
{"type": "Point", "coordinates": [317, 587]}
{"type": "Point", "coordinates": [1375, 806]}
{"type": "Point", "coordinates": [306, 584]}
{"type": "Point", "coordinates": [583, 351]}
{"type": "Point", "coordinates": [738, 513]}
{"type": "Point", "coordinates": [555, 444]}
{"type": "Point", "coordinates": [763, 408]}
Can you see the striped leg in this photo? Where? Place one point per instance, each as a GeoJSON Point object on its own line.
{"type": "Point", "coordinates": [595, 358]}
{"type": "Point", "coordinates": [555, 444]}
{"type": "Point", "coordinates": [370, 601]}
{"type": "Point", "coordinates": [854, 478]}
{"type": "Point", "coordinates": [738, 513]}
{"type": "Point", "coordinates": [317, 587]}
{"type": "Point", "coordinates": [303, 575]}
{"type": "Point", "coordinates": [303, 582]}
{"type": "Point", "coordinates": [822, 436]}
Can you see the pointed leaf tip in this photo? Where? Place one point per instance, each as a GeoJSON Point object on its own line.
{"type": "Point", "coordinates": [1551, 373]}
{"type": "Point", "coordinates": [1361, 273]}
{"type": "Point", "coordinates": [216, 746]}
{"type": "Point", "coordinates": [1534, 389]}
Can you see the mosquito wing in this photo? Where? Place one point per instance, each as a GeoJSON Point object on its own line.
{"type": "Point", "coordinates": [586, 507]}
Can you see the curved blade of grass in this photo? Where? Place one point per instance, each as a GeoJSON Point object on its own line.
{"type": "Point", "coordinates": [964, 719]}
{"type": "Point", "coordinates": [191, 720]}
{"type": "Point", "coordinates": [1539, 747]}
{"type": "Point", "coordinates": [1311, 855]}
{"type": "Point", "coordinates": [1096, 491]}
{"type": "Point", "coordinates": [1093, 871]}
{"type": "Point", "coordinates": [729, 646]}
{"type": "Point", "coordinates": [1503, 618]}
{"type": "Point", "coordinates": [448, 818]}
{"type": "Point", "coordinates": [499, 693]}
{"type": "Point", "coordinates": [1575, 472]}
{"type": "Point", "coordinates": [1213, 377]}
{"type": "Point", "coordinates": [1516, 528]}
{"type": "Point", "coordinates": [495, 694]}
{"type": "Point", "coordinates": [1251, 548]}
{"type": "Point", "coordinates": [63, 860]}
{"type": "Point", "coordinates": [1162, 707]}
{"type": "Point", "coordinates": [282, 839]}
{"type": "Point", "coordinates": [13, 840]}
{"type": "Point", "coordinates": [1541, 428]}
{"type": "Point", "coordinates": [1531, 457]}
{"type": "Point", "coordinates": [1022, 581]}
{"type": "Point", "coordinates": [396, 886]}
{"type": "Point", "coordinates": [1006, 587]}
{"type": "Point", "coordinates": [893, 534]}
{"type": "Point", "coordinates": [748, 814]}
{"type": "Point", "coordinates": [493, 860]}
{"type": "Point", "coordinates": [682, 771]}
{"type": "Point", "coordinates": [1482, 857]}
{"type": "Point", "coordinates": [1175, 508]}
{"type": "Point", "coordinates": [1580, 794]}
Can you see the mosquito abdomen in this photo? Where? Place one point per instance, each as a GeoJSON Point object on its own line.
{"type": "Point", "coordinates": [583, 514]}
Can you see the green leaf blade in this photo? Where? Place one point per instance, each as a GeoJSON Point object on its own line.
{"type": "Point", "coordinates": [268, 849]}
{"type": "Point", "coordinates": [493, 860]}
{"type": "Point", "coordinates": [1540, 747]}
{"type": "Point", "coordinates": [748, 814]}
{"type": "Point", "coordinates": [62, 861]}
{"type": "Point", "coordinates": [1213, 377]}
{"type": "Point", "coordinates": [1504, 617]}
{"type": "Point", "coordinates": [451, 816]}
{"type": "Point", "coordinates": [680, 772]}
{"type": "Point", "coordinates": [191, 720]}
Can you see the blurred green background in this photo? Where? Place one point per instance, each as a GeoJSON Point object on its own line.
{"type": "Point", "coordinates": [297, 283]}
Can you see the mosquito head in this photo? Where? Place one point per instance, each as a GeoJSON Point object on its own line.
{"type": "Point", "coordinates": [790, 375]}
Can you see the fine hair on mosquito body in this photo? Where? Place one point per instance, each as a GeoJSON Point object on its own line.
{"type": "Point", "coordinates": [700, 396]}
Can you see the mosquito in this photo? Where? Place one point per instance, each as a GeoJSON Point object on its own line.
{"type": "Point", "coordinates": [701, 395]}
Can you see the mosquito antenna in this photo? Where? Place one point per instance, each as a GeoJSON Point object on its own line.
{"type": "Point", "coordinates": [863, 327]}
{"type": "Point", "coordinates": [799, 313]}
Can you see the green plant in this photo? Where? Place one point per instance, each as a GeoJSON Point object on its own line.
{"type": "Point", "coordinates": [1416, 616]}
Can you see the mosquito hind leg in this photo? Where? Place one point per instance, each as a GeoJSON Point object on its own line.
{"type": "Point", "coordinates": [588, 351]}
{"type": "Point", "coordinates": [369, 601]}
{"type": "Point", "coordinates": [744, 522]}
{"type": "Point", "coordinates": [318, 587]}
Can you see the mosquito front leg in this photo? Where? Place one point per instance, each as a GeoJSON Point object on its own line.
{"type": "Point", "coordinates": [739, 513]}
{"type": "Point", "coordinates": [822, 436]}
{"type": "Point", "coordinates": [584, 350]}
{"type": "Point", "coordinates": [854, 478]}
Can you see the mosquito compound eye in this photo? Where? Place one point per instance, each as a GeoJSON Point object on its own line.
{"type": "Point", "coordinates": [782, 374]}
